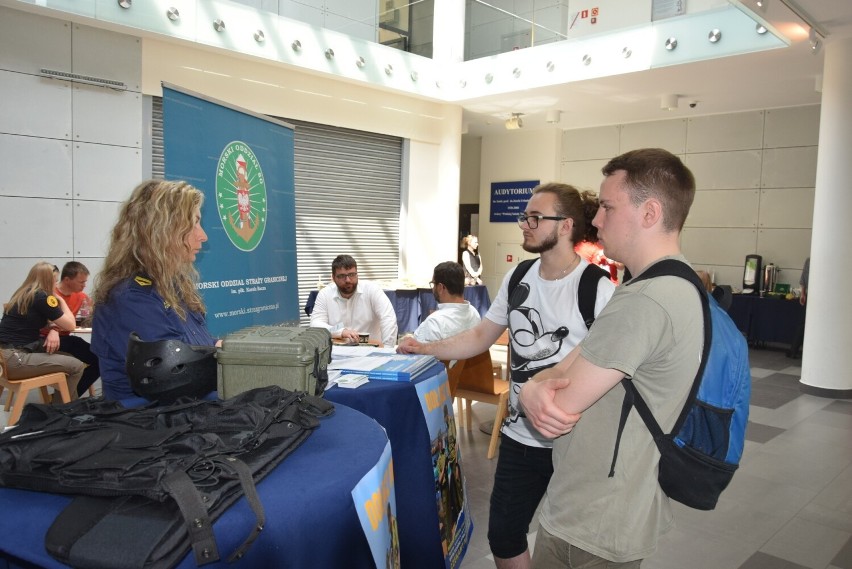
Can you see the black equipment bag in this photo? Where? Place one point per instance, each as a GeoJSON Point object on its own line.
{"type": "Point", "coordinates": [153, 478]}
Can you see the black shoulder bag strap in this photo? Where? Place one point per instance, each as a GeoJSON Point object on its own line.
{"type": "Point", "coordinates": [587, 293]}
{"type": "Point", "coordinates": [632, 397]}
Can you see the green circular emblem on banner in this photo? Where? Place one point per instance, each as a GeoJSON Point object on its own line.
{"type": "Point", "coordinates": [241, 195]}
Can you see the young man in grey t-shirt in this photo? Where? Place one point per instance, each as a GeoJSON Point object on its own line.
{"type": "Point", "coordinates": [651, 332]}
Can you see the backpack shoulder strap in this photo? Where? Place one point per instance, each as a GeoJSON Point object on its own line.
{"type": "Point", "coordinates": [667, 267]}
{"type": "Point", "coordinates": [519, 273]}
{"type": "Point", "coordinates": [587, 293]}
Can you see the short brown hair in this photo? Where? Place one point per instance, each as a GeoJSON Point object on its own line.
{"type": "Point", "coordinates": [657, 173]}
{"type": "Point", "coordinates": [451, 275]}
{"type": "Point", "coordinates": [579, 206]}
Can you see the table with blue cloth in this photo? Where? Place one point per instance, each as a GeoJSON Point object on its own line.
{"type": "Point", "coordinates": [311, 518]}
{"type": "Point", "coordinates": [766, 319]}
{"type": "Point", "coordinates": [476, 295]}
{"type": "Point", "coordinates": [396, 405]}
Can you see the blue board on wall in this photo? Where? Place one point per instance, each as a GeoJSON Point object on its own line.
{"type": "Point", "coordinates": [508, 199]}
{"type": "Point", "coordinates": [244, 165]}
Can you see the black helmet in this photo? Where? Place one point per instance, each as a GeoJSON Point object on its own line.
{"type": "Point", "coordinates": [164, 370]}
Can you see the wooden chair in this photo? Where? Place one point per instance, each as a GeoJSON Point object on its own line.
{"type": "Point", "coordinates": [453, 374]}
{"type": "Point", "coordinates": [478, 383]}
{"type": "Point", "coordinates": [19, 389]}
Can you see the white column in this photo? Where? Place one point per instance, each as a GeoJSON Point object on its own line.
{"type": "Point", "coordinates": [448, 31]}
{"type": "Point", "coordinates": [828, 328]}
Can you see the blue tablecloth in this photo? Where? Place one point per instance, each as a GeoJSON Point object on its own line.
{"type": "Point", "coordinates": [764, 319]}
{"type": "Point", "coordinates": [311, 520]}
{"type": "Point", "coordinates": [396, 406]}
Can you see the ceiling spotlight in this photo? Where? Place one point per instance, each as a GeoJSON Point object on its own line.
{"type": "Point", "coordinates": [671, 43]}
{"type": "Point", "coordinates": [553, 116]}
{"type": "Point", "coordinates": [219, 25]}
{"type": "Point", "coordinates": [514, 122]}
{"type": "Point", "coordinates": [760, 29]}
{"type": "Point", "coordinates": [714, 36]}
{"type": "Point", "coordinates": [816, 44]}
{"type": "Point", "coordinates": [668, 102]}
{"type": "Point", "coordinates": [762, 4]}
{"type": "Point", "coordinates": [173, 14]}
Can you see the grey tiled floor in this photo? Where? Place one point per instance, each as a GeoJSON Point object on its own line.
{"type": "Point", "coordinates": [789, 505]}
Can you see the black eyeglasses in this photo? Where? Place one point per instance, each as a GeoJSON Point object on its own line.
{"type": "Point", "coordinates": [346, 276]}
{"type": "Point", "coordinates": [532, 220]}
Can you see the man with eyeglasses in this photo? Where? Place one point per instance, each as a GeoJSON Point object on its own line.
{"type": "Point", "coordinates": [542, 312]}
{"type": "Point", "coordinates": [351, 308]}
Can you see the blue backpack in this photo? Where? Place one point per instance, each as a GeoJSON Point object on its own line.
{"type": "Point", "coordinates": [699, 457]}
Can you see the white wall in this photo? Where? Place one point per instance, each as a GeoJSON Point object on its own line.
{"type": "Point", "coordinates": [71, 152]}
{"type": "Point", "coordinates": [755, 175]}
{"type": "Point", "coordinates": [512, 156]}
{"type": "Point", "coordinates": [71, 180]}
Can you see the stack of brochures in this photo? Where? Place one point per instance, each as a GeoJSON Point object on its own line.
{"type": "Point", "coordinates": [390, 367]}
{"type": "Point", "coordinates": [351, 381]}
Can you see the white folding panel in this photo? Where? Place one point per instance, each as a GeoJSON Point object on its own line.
{"type": "Point", "coordinates": [107, 117]}
{"type": "Point", "coordinates": [736, 131]}
{"type": "Point", "coordinates": [724, 208]}
{"type": "Point", "coordinates": [794, 126]}
{"type": "Point", "coordinates": [34, 106]}
{"type": "Point", "coordinates": [25, 155]}
{"type": "Point", "coordinates": [789, 167]}
{"type": "Point", "coordinates": [35, 227]}
{"type": "Point", "coordinates": [668, 134]}
{"type": "Point", "coordinates": [108, 55]}
{"type": "Point", "coordinates": [787, 248]}
{"type": "Point", "coordinates": [583, 175]}
{"type": "Point", "coordinates": [588, 143]}
{"type": "Point", "coordinates": [106, 173]}
{"type": "Point", "coordinates": [31, 42]}
{"type": "Point", "coordinates": [725, 170]}
{"type": "Point", "coordinates": [93, 222]}
{"type": "Point", "coordinates": [712, 246]}
{"type": "Point", "coordinates": [787, 208]}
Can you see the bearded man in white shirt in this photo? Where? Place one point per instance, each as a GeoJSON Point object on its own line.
{"type": "Point", "coordinates": [351, 308]}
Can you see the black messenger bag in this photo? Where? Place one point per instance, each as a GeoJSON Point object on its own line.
{"type": "Point", "coordinates": [153, 479]}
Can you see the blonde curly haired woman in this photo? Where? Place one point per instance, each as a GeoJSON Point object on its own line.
{"type": "Point", "coordinates": [147, 282]}
{"type": "Point", "coordinates": [32, 307]}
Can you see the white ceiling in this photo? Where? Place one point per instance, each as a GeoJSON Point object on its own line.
{"type": "Point", "coordinates": [776, 78]}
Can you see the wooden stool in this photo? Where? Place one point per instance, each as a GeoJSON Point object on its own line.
{"type": "Point", "coordinates": [20, 388]}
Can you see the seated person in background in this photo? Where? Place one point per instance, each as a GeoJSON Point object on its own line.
{"type": "Point", "coordinates": [454, 313]}
{"type": "Point", "coordinates": [70, 288]}
{"type": "Point", "coordinates": [351, 308]}
{"type": "Point", "coordinates": [471, 260]}
{"type": "Point", "coordinates": [31, 308]}
{"type": "Point", "coordinates": [147, 283]}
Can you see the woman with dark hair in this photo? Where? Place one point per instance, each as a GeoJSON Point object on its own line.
{"type": "Point", "coordinates": [32, 307]}
{"type": "Point", "coordinates": [147, 283]}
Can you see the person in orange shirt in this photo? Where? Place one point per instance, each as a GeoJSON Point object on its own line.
{"type": "Point", "coordinates": [70, 287]}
